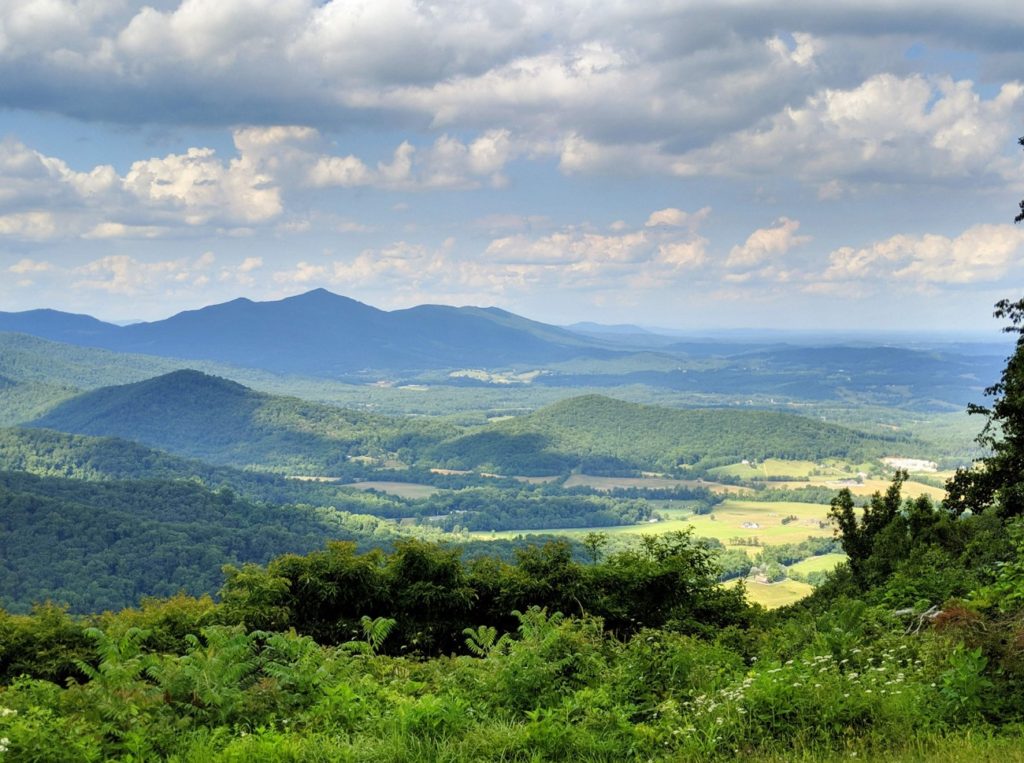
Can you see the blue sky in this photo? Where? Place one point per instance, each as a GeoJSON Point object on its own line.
{"type": "Point", "coordinates": [695, 165]}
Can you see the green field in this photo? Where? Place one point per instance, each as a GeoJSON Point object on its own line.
{"type": "Point", "coordinates": [774, 595]}
{"type": "Point", "coordinates": [823, 563]}
{"type": "Point", "coordinates": [650, 483]}
{"type": "Point", "coordinates": [734, 518]}
{"type": "Point", "coordinates": [724, 523]}
{"type": "Point", "coordinates": [401, 489]}
{"type": "Point", "coordinates": [776, 467]}
{"type": "Point", "coordinates": [866, 488]}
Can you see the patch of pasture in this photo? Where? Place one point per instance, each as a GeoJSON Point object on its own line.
{"type": "Point", "coordinates": [866, 488]}
{"type": "Point", "coordinates": [822, 563]}
{"type": "Point", "coordinates": [775, 595]}
{"type": "Point", "coordinates": [410, 490]}
{"type": "Point", "coordinates": [774, 468]}
{"type": "Point", "coordinates": [650, 483]}
{"type": "Point", "coordinates": [733, 518]}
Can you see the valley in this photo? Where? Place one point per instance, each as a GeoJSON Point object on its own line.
{"type": "Point", "coordinates": [736, 443]}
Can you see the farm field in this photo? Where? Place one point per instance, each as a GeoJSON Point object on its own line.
{"type": "Point", "coordinates": [823, 563]}
{"type": "Point", "coordinates": [411, 490]}
{"type": "Point", "coordinates": [775, 595]}
{"type": "Point", "coordinates": [763, 520]}
{"type": "Point", "coordinates": [653, 483]}
{"type": "Point", "coordinates": [911, 488]}
{"type": "Point", "coordinates": [777, 467]}
{"type": "Point", "coordinates": [753, 519]}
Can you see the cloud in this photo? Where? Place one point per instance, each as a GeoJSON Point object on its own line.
{"type": "Point", "coordinates": [171, 194]}
{"type": "Point", "coordinates": [26, 266]}
{"type": "Point", "coordinates": [765, 243]}
{"type": "Point", "coordinates": [888, 129]}
{"type": "Point", "coordinates": [982, 253]}
{"type": "Point", "coordinates": [125, 275]}
{"type": "Point", "coordinates": [675, 75]}
{"type": "Point", "coordinates": [677, 218]}
{"type": "Point", "coordinates": [120, 230]}
{"type": "Point", "coordinates": [667, 243]}
{"type": "Point", "coordinates": [204, 188]}
{"type": "Point", "coordinates": [28, 225]}
{"type": "Point", "coordinates": [447, 164]}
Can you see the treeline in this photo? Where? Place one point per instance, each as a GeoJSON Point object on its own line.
{"type": "Point", "coordinates": [428, 589]}
{"type": "Point", "coordinates": [493, 509]}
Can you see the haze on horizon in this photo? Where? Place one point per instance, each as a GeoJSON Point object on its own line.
{"type": "Point", "coordinates": [692, 165]}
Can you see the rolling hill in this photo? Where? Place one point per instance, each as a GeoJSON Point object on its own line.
{"type": "Point", "coordinates": [192, 414]}
{"type": "Point", "coordinates": [600, 434]}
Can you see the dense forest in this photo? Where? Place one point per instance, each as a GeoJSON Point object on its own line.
{"type": "Point", "coordinates": [603, 435]}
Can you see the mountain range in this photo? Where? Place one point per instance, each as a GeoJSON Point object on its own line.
{"type": "Point", "coordinates": [322, 334]}
{"type": "Point", "coordinates": [290, 344]}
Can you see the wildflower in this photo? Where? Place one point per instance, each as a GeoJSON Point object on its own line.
{"type": "Point", "coordinates": [6, 711]}
{"type": "Point", "coordinates": [4, 742]}
{"type": "Point", "coordinates": [719, 721]}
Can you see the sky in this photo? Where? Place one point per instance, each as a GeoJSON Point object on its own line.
{"type": "Point", "coordinates": [694, 165]}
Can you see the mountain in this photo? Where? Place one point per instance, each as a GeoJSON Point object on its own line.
{"type": "Point", "coordinates": [323, 334]}
{"type": "Point", "coordinates": [193, 414]}
{"type": "Point", "coordinates": [598, 434]}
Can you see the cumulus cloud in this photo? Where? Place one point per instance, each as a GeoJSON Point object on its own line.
{"type": "Point", "coordinates": [160, 195]}
{"type": "Point", "coordinates": [27, 265]}
{"type": "Point", "coordinates": [888, 129]}
{"type": "Point", "coordinates": [124, 275]}
{"type": "Point", "coordinates": [677, 218]}
{"type": "Point", "coordinates": [447, 164]}
{"type": "Point", "coordinates": [674, 75]}
{"type": "Point", "coordinates": [666, 244]}
{"type": "Point", "coordinates": [979, 254]}
{"type": "Point", "coordinates": [766, 243]}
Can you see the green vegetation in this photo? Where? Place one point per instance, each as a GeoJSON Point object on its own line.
{"type": "Point", "coordinates": [601, 435]}
{"type": "Point", "coordinates": [200, 416]}
{"type": "Point", "coordinates": [277, 620]}
{"type": "Point", "coordinates": [104, 545]}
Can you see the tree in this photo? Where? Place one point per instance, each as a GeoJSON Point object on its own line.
{"type": "Point", "coordinates": [860, 538]}
{"type": "Point", "coordinates": [1020, 216]}
{"type": "Point", "coordinates": [1000, 480]}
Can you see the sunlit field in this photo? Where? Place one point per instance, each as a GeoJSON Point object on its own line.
{"type": "Point", "coordinates": [822, 563]}
{"type": "Point", "coordinates": [611, 483]}
{"type": "Point", "coordinates": [411, 490]}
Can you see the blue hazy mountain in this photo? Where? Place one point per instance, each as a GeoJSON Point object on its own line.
{"type": "Point", "coordinates": [322, 334]}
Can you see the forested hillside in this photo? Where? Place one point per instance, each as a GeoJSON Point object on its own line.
{"type": "Point", "coordinates": [200, 416]}
{"type": "Point", "coordinates": [600, 434]}
{"type": "Point", "coordinates": [104, 545]}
